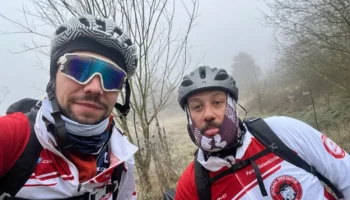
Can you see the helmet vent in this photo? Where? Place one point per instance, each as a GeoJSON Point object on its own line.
{"type": "Point", "coordinates": [84, 21]}
{"type": "Point", "coordinates": [118, 31]}
{"type": "Point", "coordinates": [221, 75]}
{"type": "Point", "coordinates": [128, 42]}
{"type": "Point", "coordinates": [186, 82]}
{"type": "Point", "coordinates": [60, 30]}
{"type": "Point", "coordinates": [102, 25]}
{"type": "Point", "coordinates": [202, 73]}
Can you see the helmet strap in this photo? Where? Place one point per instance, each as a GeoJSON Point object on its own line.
{"type": "Point", "coordinates": [58, 129]}
{"type": "Point", "coordinates": [191, 134]}
{"type": "Point", "coordinates": [189, 131]}
{"type": "Point", "coordinates": [245, 111]}
{"type": "Point", "coordinates": [124, 109]}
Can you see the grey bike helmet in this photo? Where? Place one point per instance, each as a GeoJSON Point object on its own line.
{"type": "Point", "coordinates": [204, 78]}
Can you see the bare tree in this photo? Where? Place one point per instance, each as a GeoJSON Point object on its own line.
{"type": "Point", "coordinates": [249, 78]}
{"type": "Point", "coordinates": [4, 91]}
{"type": "Point", "coordinates": [162, 51]}
{"type": "Point", "coordinates": [257, 86]}
{"type": "Point", "coordinates": [314, 37]}
{"type": "Point", "coordinates": [243, 68]}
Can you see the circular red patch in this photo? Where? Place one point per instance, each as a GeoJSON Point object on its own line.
{"type": "Point", "coordinates": [286, 188]}
{"type": "Point", "coordinates": [333, 148]}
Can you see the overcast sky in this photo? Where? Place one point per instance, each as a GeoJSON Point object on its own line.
{"type": "Point", "coordinates": [225, 27]}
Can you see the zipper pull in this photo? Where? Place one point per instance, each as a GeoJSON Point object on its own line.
{"type": "Point", "coordinates": [79, 187]}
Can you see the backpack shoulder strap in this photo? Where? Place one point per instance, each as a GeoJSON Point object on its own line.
{"type": "Point", "coordinates": [117, 173]}
{"type": "Point", "coordinates": [202, 180]}
{"type": "Point", "coordinates": [169, 194]}
{"type": "Point", "coordinates": [265, 135]}
{"type": "Point", "coordinates": [116, 177]}
{"type": "Point", "coordinates": [18, 175]}
{"type": "Point", "coordinates": [262, 132]}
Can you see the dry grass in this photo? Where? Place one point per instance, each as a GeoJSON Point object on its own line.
{"type": "Point", "coordinates": [181, 148]}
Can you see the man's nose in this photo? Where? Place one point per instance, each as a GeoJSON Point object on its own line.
{"type": "Point", "coordinates": [208, 114]}
{"type": "Point", "coordinates": [94, 86]}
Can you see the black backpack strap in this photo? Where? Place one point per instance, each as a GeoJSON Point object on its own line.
{"type": "Point", "coordinates": [262, 132]}
{"type": "Point", "coordinates": [202, 180]}
{"type": "Point", "coordinates": [243, 163]}
{"type": "Point", "coordinates": [116, 177]}
{"type": "Point", "coordinates": [18, 175]}
{"type": "Point", "coordinates": [117, 173]}
{"type": "Point", "coordinates": [169, 194]}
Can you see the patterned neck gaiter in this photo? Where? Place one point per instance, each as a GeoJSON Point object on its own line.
{"type": "Point", "coordinates": [228, 132]}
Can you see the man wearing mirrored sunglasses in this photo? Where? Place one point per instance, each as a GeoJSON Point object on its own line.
{"type": "Point", "coordinates": [67, 146]}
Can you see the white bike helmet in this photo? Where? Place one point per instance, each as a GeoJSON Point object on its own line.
{"type": "Point", "coordinates": [97, 35]}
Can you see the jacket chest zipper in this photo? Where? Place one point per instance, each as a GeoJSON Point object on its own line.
{"type": "Point", "coordinates": [79, 187]}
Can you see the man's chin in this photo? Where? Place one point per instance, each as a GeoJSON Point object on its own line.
{"type": "Point", "coordinates": [87, 120]}
{"type": "Point", "coordinates": [83, 116]}
{"type": "Point", "coordinates": [86, 117]}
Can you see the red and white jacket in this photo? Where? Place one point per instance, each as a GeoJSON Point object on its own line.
{"type": "Point", "coordinates": [282, 180]}
{"type": "Point", "coordinates": [55, 177]}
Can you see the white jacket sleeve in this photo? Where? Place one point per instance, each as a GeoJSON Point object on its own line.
{"type": "Point", "coordinates": [315, 148]}
{"type": "Point", "coordinates": [127, 187]}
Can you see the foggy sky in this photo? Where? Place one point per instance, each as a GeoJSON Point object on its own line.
{"type": "Point", "coordinates": [224, 28]}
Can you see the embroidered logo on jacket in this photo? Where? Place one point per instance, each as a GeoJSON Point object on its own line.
{"type": "Point", "coordinates": [286, 188]}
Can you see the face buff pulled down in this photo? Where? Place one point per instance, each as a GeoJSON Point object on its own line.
{"type": "Point", "coordinates": [228, 133]}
